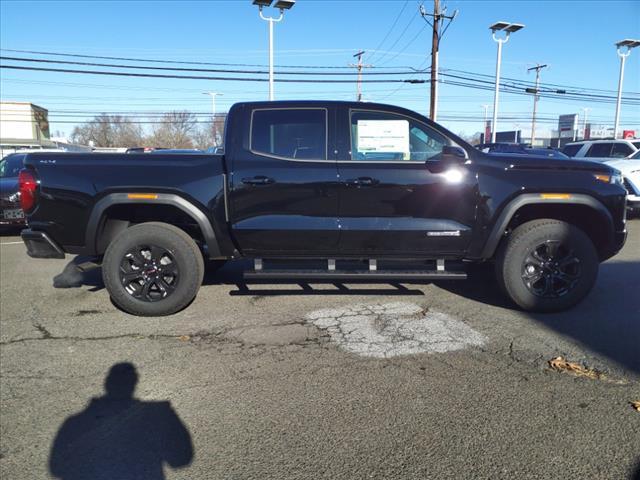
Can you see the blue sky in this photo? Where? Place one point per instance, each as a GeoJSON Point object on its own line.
{"type": "Point", "coordinates": [575, 38]}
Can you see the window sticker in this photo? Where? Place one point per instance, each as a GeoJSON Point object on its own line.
{"type": "Point", "coordinates": [384, 136]}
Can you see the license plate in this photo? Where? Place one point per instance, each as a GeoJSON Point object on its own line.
{"type": "Point", "coordinates": [13, 214]}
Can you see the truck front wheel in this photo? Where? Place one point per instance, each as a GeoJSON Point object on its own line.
{"type": "Point", "coordinates": [153, 269]}
{"type": "Point", "coordinates": [547, 265]}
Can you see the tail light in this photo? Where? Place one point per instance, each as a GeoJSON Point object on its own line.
{"type": "Point", "coordinates": [28, 186]}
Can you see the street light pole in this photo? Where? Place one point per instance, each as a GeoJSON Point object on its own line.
{"type": "Point", "coordinates": [508, 28]}
{"type": "Point", "coordinates": [213, 114]}
{"type": "Point", "coordinates": [271, 20]}
{"type": "Point", "coordinates": [624, 50]}
{"type": "Point", "coordinates": [494, 121]}
{"type": "Point", "coordinates": [213, 100]}
{"type": "Point", "coordinates": [616, 125]}
{"type": "Point", "coordinates": [282, 5]}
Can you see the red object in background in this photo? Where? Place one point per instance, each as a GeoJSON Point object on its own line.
{"type": "Point", "coordinates": [28, 186]}
{"type": "Point", "coordinates": [628, 134]}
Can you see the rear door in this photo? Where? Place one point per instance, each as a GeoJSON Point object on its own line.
{"type": "Point", "coordinates": [395, 197]}
{"type": "Point", "coordinates": [283, 190]}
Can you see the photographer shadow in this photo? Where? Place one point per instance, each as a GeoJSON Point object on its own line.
{"type": "Point", "coordinates": [119, 436]}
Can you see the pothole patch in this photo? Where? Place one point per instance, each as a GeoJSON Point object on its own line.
{"type": "Point", "coordinates": [394, 329]}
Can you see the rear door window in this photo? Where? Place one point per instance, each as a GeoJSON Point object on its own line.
{"type": "Point", "coordinates": [290, 133]}
{"type": "Point", "coordinates": [600, 150]}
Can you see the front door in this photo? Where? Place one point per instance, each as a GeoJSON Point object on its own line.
{"type": "Point", "coordinates": [397, 197]}
{"type": "Point", "coordinates": [284, 190]}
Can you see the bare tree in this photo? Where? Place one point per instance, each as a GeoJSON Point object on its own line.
{"type": "Point", "coordinates": [209, 133]}
{"type": "Point", "coordinates": [109, 131]}
{"type": "Point", "coordinates": [473, 139]}
{"type": "Point", "coordinates": [174, 130]}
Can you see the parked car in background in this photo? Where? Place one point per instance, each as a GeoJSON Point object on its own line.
{"type": "Point", "coordinates": [139, 150]}
{"type": "Point", "coordinates": [623, 155]}
{"type": "Point", "coordinates": [601, 149]}
{"type": "Point", "coordinates": [178, 150]}
{"type": "Point", "coordinates": [11, 214]}
{"type": "Point", "coordinates": [501, 147]}
{"type": "Point", "coordinates": [630, 170]}
{"type": "Point", "coordinates": [520, 149]}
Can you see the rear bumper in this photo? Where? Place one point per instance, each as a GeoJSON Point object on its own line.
{"type": "Point", "coordinates": [39, 245]}
{"type": "Point", "coordinates": [14, 222]}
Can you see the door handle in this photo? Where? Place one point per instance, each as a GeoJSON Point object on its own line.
{"type": "Point", "coordinates": [258, 180]}
{"type": "Point", "coordinates": [363, 182]}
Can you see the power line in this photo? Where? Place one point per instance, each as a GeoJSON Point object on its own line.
{"type": "Point", "coordinates": [182, 69]}
{"type": "Point", "coordinates": [465, 72]}
{"type": "Point", "coordinates": [175, 62]}
{"type": "Point", "coordinates": [409, 43]}
{"type": "Point", "coordinates": [191, 77]}
{"type": "Point", "coordinates": [375, 51]}
{"type": "Point", "coordinates": [384, 54]}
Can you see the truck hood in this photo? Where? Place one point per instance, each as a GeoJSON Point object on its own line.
{"type": "Point", "coordinates": [531, 162]}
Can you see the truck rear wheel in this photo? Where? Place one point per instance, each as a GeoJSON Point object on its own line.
{"type": "Point", "coordinates": [547, 265]}
{"type": "Point", "coordinates": [153, 269]}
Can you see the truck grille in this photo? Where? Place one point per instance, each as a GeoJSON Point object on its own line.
{"type": "Point", "coordinates": [628, 187]}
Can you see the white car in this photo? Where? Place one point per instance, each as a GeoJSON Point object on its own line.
{"type": "Point", "coordinates": [623, 155]}
{"type": "Point", "coordinates": [630, 170]}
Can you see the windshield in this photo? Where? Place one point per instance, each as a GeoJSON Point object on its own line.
{"type": "Point", "coordinates": [10, 166]}
{"type": "Point", "coordinates": [636, 156]}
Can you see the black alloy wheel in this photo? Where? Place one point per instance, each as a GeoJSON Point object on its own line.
{"type": "Point", "coordinates": [152, 269]}
{"type": "Point", "coordinates": [551, 269]}
{"type": "Point", "coordinates": [149, 272]}
{"type": "Point", "coordinates": [546, 265]}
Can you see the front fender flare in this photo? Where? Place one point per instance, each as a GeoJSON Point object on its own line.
{"type": "Point", "coordinates": [514, 205]}
{"type": "Point", "coordinates": [161, 199]}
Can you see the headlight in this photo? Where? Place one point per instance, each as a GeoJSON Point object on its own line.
{"type": "Point", "coordinates": [615, 178]}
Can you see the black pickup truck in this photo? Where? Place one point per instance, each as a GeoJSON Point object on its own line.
{"type": "Point", "coordinates": [328, 191]}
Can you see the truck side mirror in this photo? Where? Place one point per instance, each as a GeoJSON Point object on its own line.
{"type": "Point", "coordinates": [453, 152]}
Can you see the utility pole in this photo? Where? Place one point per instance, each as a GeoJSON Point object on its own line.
{"type": "Point", "coordinates": [359, 66]}
{"type": "Point", "coordinates": [537, 68]}
{"type": "Point", "coordinates": [438, 18]}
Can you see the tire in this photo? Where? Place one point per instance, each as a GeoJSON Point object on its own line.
{"type": "Point", "coordinates": [153, 269]}
{"type": "Point", "coordinates": [547, 265]}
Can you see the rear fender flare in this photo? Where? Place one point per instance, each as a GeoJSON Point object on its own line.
{"type": "Point", "coordinates": [514, 205]}
{"type": "Point", "coordinates": [161, 199]}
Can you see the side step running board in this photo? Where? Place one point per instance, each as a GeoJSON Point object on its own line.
{"type": "Point", "coordinates": [354, 275]}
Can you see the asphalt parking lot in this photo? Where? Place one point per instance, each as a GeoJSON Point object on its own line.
{"type": "Point", "coordinates": [315, 381]}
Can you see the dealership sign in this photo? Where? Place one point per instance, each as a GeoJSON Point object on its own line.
{"type": "Point", "coordinates": [567, 125]}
